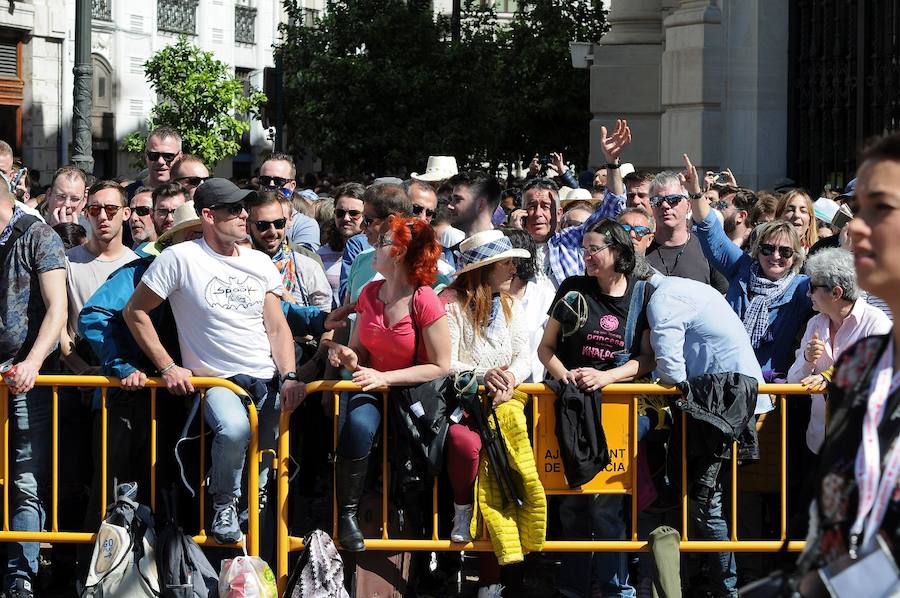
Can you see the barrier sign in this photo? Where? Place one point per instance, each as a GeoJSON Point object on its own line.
{"type": "Point", "coordinates": [615, 413]}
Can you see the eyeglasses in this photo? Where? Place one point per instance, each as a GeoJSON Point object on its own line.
{"type": "Point", "coordinates": [142, 210]}
{"type": "Point", "coordinates": [166, 156]}
{"type": "Point", "coordinates": [591, 250]}
{"type": "Point", "coordinates": [417, 210]}
{"type": "Point", "coordinates": [384, 240]}
{"type": "Point", "coordinates": [639, 231]}
{"type": "Point", "coordinates": [812, 288]}
{"type": "Point", "coordinates": [721, 205]}
{"type": "Point", "coordinates": [340, 213]}
{"type": "Point", "coordinates": [234, 209]}
{"type": "Point", "coordinates": [94, 210]}
{"type": "Point", "coordinates": [368, 220]}
{"type": "Point", "coordinates": [263, 225]}
{"type": "Point", "coordinates": [191, 181]}
{"type": "Point", "coordinates": [273, 181]}
{"type": "Point", "coordinates": [71, 199]}
{"type": "Point", "coordinates": [672, 200]}
{"type": "Point", "coordinates": [768, 249]}
{"type": "Point", "coordinates": [634, 194]}
{"type": "Point", "coordinates": [163, 213]}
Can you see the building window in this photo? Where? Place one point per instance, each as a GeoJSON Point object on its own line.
{"type": "Point", "coordinates": [309, 17]}
{"type": "Point", "coordinates": [177, 16]}
{"type": "Point", "coordinates": [101, 10]}
{"type": "Point", "coordinates": [244, 24]}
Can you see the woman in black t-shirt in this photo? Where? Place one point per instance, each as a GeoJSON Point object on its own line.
{"type": "Point", "coordinates": [590, 341]}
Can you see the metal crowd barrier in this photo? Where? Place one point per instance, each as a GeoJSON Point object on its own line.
{"type": "Point", "coordinates": [103, 383]}
{"type": "Point", "coordinates": [619, 412]}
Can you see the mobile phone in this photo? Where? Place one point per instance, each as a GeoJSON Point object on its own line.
{"type": "Point", "coordinates": [15, 181]}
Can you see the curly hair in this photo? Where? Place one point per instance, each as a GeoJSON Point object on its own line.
{"type": "Point", "coordinates": [422, 248]}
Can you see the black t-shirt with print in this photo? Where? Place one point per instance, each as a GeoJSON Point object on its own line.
{"type": "Point", "coordinates": [603, 333]}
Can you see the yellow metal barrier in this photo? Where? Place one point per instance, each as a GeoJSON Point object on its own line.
{"type": "Point", "coordinates": [103, 383]}
{"type": "Point", "coordinates": [620, 419]}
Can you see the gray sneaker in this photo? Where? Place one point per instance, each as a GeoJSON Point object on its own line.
{"type": "Point", "coordinates": [225, 528]}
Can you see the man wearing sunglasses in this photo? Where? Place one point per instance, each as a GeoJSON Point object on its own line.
{"type": "Point", "coordinates": [226, 300]}
{"type": "Point", "coordinates": [190, 172]}
{"type": "Point", "coordinates": [278, 173]}
{"type": "Point", "coordinates": [141, 220]}
{"type": "Point", "coordinates": [163, 147]}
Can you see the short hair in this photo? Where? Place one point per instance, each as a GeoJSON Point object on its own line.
{"type": "Point", "coordinates": [5, 149]}
{"type": "Point", "coordinates": [108, 184]}
{"type": "Point", "coordinates": [387, 199]}
{"type": "Point", "coordinates": [282, 157]}
{"type": "Point", "coordinates": [169, 189]}
{"type": "Point", "coordinates": [651, 222]}
{"type": "Point", "coordinates": [188, 159]}
{"type": "Point", "coordinates": [637, 177]}
{"type": "Point", "coordinates": [744, 199]}
{"type": "Point", "coordinates": [812, 234]}
{"type": "Point", "coordinates": [354, 190]}
{"type": "Point", "coordinates": [72, 234]}
{"type": "Point", "coordinates": [765, 204]}
{"type": "Point", "coordinates": [767, 229]}
{"type": "Point", "coordinates": [441, 212]}
{"type": "Point", "coordinates": [165, 132]}
{"type": "Point", "coordinates": [619, 240]}
{"type": "Point", "coordinates": [541, 184]}
{"type": "Point", "coordinates": [139, 190]}
{"type": "Point", "coordinates": [666, 178]}
{"type": "Point", "coordinates": [526, 267]}
{"type": "Point", "coordinates": [265, 198]}
{"type": "Point", "coordinates": [69, 172]}
{"type": "Point", "coordinates": [408, 184]}
{"type": "Point", "coordinates": [480, 184]}
{"type": "Point", "coordinates": [880, 149]}
{"type": "Point", "coordinates": [834, 267]}
{"type": "Point", "coordinates": [422, 248]}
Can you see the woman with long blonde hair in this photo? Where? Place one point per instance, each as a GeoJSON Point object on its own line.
{"type": "Point", "coordinates": [796, 207]}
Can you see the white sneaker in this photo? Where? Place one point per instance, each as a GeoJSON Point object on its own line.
{"type": "Point", "coordinates": [462, 521]}
{"type": "Point", "coordinates": [494, 590]}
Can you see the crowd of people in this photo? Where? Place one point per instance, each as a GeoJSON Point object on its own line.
{"type": "Point", "coordinates": [615, 275]}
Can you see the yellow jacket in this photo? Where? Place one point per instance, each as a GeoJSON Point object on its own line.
{"type": "Point", "coordinates": [514, 532]}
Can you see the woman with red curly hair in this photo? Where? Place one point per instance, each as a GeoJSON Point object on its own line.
{"type": "Point", "coordinates": [401, 338]}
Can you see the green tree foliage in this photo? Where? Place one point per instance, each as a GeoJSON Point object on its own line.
{"type": "Point", "coordinates": [199, 97]}
{"type": "Point", "coordinates": [378, 85]}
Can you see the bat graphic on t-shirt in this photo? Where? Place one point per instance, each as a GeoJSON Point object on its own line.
{"type": "Point", "coordinates": [234, 294]}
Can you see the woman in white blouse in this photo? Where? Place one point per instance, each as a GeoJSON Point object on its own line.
{"type": "Point", "coordinates": [844, 317]}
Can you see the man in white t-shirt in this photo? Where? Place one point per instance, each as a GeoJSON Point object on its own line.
{"type": "Point", "coordinates": [226, 302]}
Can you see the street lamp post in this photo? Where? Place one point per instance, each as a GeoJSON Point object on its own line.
{"type": "Point", "coordinates": [83, 70]}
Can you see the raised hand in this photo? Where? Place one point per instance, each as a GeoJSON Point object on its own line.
{"type": "Point", "coordinates": [612, 145]}
{"type": "Point", "coordinates": [689, 176]}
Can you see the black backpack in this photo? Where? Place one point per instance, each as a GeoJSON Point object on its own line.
{"type": "Point", "coordinates": [184, 571]}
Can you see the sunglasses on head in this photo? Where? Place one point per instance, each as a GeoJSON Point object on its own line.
{"type": "Point", "coordinates": [768, 249]}
{"type": "Point", "coordinates": [110, 209]}
{"type": "Point", "coordinates": [672, 200]}
{"type": "Point", "coordinates": [166, 156]}
{"type": "Point", "coordinates": [191, 181]}
{"type": "Point", "coordinates": [263, 225]}
{"type": "Point", "coordinates": [234, 209]}
{"type": "Point", "coordinates": [384, 240]}
{"type": "Point", "coordinates": [340, 213]}
{"type": "Point", "coordinates": [639, 231]}
{"type": "Point", "coordinates": [417, 210]}
{"type": "Point", "coordinates": [273, 181]}
{"type": "Point", "coordinates": [142, 210]}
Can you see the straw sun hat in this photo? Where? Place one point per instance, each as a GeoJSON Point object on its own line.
{"type": "Point", "coordinates": [486, 248]}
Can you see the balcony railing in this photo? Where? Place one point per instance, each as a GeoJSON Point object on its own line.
{"type": "Point", "coordinates": [177, 16]}
{"type": "Point", "coordinates": [244, 24]}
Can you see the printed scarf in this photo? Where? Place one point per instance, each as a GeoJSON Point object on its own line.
{"type": "Point", "coordinates": [764, 292]}
{"type": "Point", "coordinates": [291, 278]}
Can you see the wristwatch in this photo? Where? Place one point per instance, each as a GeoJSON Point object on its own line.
{"type": "Point", "coordinates": [695, 195]}
{"type": "Point", "coordinates": [289, 376]}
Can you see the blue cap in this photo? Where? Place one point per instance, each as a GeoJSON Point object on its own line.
{"type": "Point", "coordinates": [849, 190]}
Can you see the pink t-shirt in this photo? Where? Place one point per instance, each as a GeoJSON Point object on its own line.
{"type": "Point", "coordinates": [392, 348]}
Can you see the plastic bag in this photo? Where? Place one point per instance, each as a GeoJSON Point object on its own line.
{"type": "Point", "coordinates": [247, 577]}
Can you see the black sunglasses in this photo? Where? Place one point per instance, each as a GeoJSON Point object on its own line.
{"type": "Point", "coordinates": [417, 210]}
{"type": "Point", "coordinates": [768, 249]}
{"type": "Point", "coordinates": [639, 231]}
{"type": "Point", "coordinates": [142, 210]}
{"type": "Point", "coordinates": [234, 209]}
{"type": "Point", "coordinates": [192, 181]}
{"type": "Point", "coordinates": [166, 156]}
{"type": "Point", "coordinates": [340, 213]}
{"type": "Point", "coordinates": [368, 220]}
{"type": "Point", "coordinates": [672, 200]}
{"type": "Point", "coordinates": [273, 181]}
{"type": "Point", "coordinates": [110, 209]}
{"type": "Point", "coordinates": [263, 225]}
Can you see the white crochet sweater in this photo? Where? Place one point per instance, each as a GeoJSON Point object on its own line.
{"type": "Point", "coordinates": [507, 346]}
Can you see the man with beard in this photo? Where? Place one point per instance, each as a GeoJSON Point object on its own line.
{"type": "Point", "coordinates": [141, 220]}
{"type": "Point", "coordinates": [735, 205]}
{"type": "Point", "coordinates": [167, 198]}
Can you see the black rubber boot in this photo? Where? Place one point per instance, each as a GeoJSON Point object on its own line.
{"type": "Point", "coordinates": [350, 483]}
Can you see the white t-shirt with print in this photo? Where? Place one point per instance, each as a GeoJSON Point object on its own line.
{"type": "Point", "coordinates": [218, 305]}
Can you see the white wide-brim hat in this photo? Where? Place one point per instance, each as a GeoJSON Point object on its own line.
{"type": "Point", "coordinates": [438, 168]}
{"type": "Point", "coordinates": [185, 217]}
{"type": "Point", "coordinates": [486, 248]}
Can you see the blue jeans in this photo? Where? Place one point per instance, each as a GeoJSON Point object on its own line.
{"type": "Point", "coordinates": [227, 418]}
{"type": "Point", "coordinates": [711, 525]}
{"type": "Point", "coordinates": [593, 517]}
{"type": "Point", "coordinates": [360, 425]}
{"type": "Point", "coordinates": [30, 441]}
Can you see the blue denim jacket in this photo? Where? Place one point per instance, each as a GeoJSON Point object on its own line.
{"type": "Point", "coordinates": [787, 315]}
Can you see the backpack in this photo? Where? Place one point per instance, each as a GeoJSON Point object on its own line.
{"type": "Point", "coordinates": [123, 564]}
{"type": "Point", "coordinates": [184, 571]}
{"type": "Point", "coordinates": [320, 571]}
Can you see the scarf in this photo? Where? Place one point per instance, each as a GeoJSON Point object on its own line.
{"type": "Point", "coordinates": [7, 232]}
{"type": "Point", "coordinates": [764, 291]}
{"type": "Point", "coordinates": [496, 321]}
{"type": "Point", "coordinates": [291, 277]}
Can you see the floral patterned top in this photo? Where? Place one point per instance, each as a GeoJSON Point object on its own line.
{"type": "Point", "coordinates": [836, 501]}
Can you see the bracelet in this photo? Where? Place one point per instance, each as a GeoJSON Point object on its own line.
{"type": "Point", "coordinates": [167, 368]}
{"type": "Point", "coordinates": [612, 165]}
{"type": "Point", "coordinates": [695, 196]}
